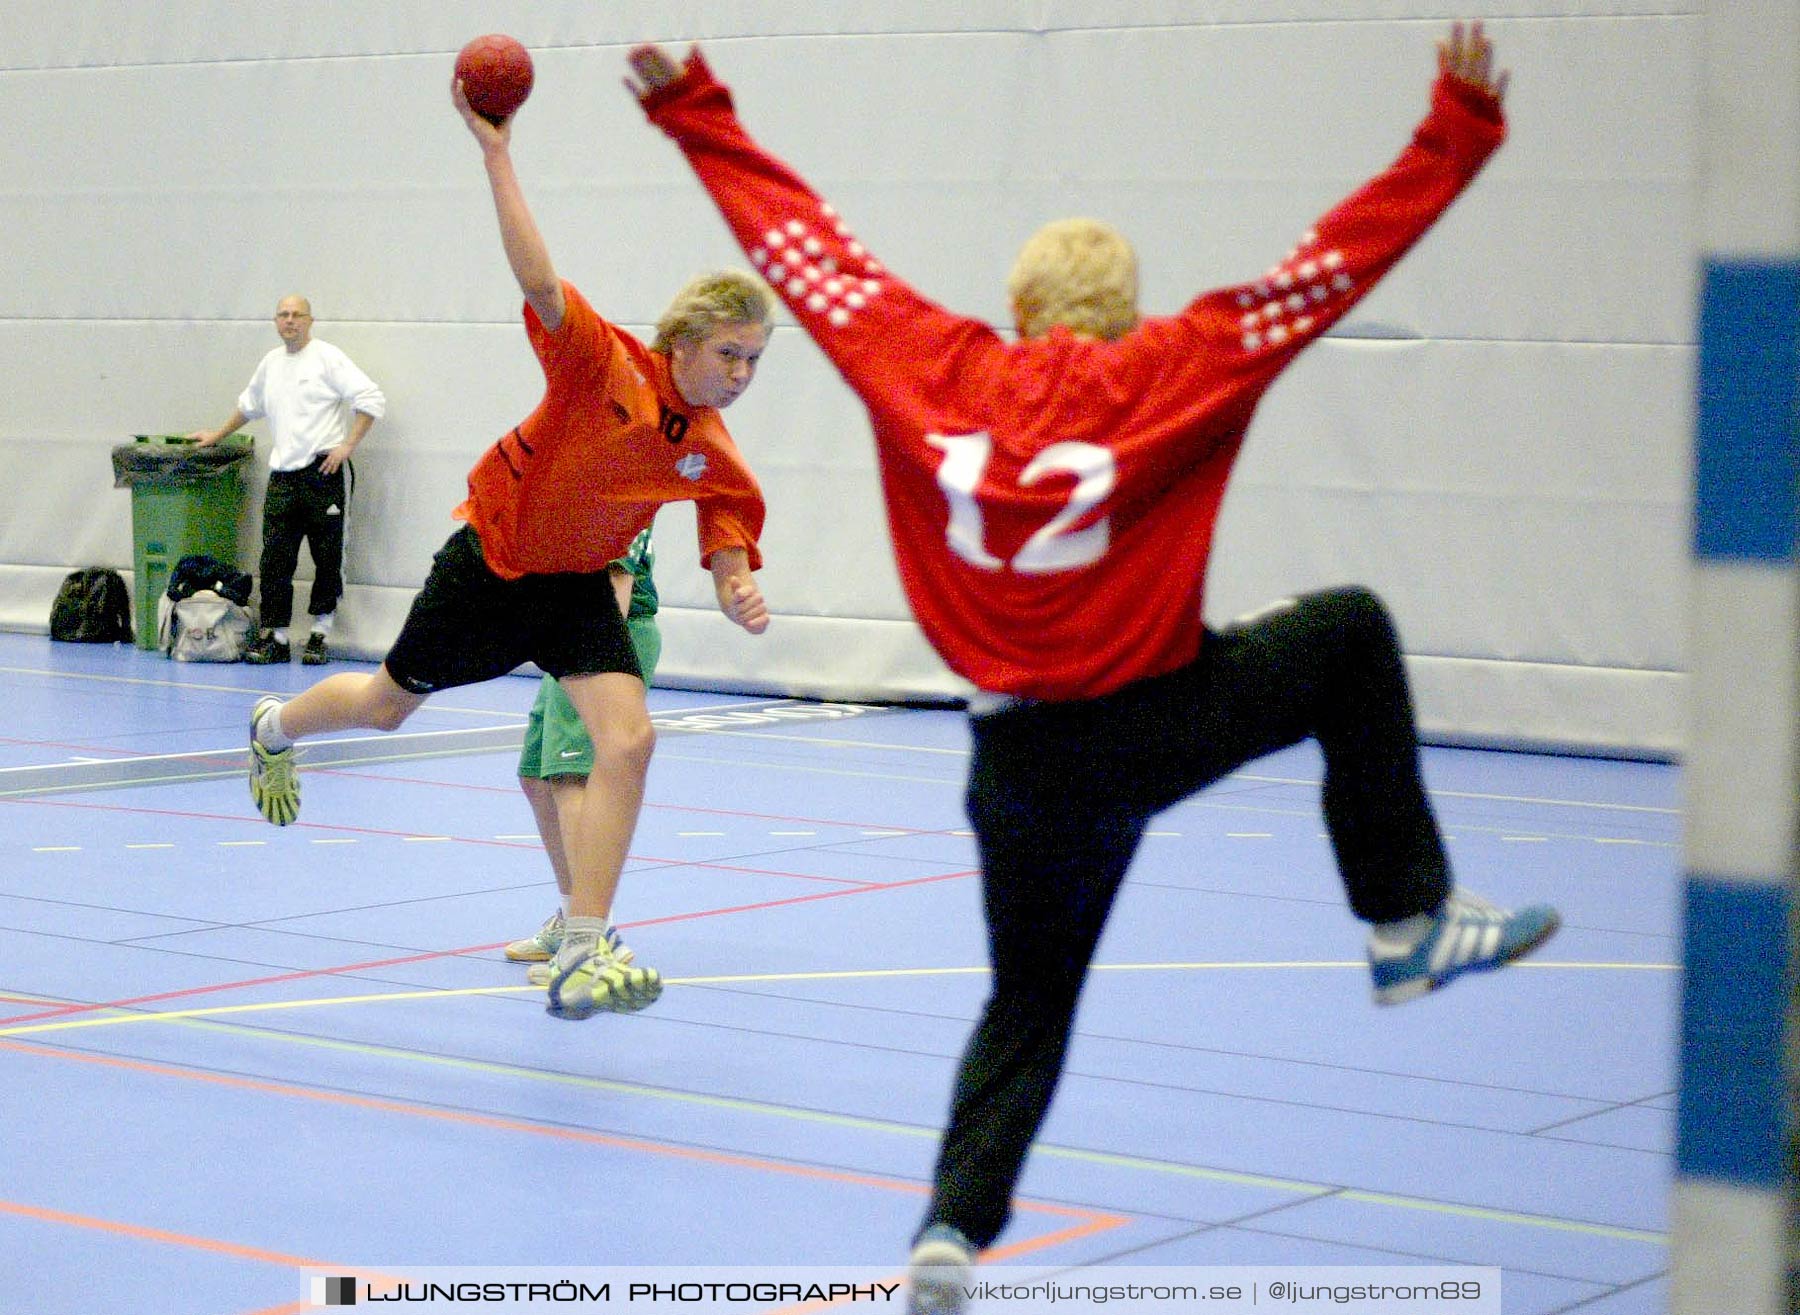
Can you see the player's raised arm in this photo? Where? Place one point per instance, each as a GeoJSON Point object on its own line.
{"type": "Point", "coordinates": [876, 329]}
{"type": "Point", "coordinates": [526, 251]}
{"type": "Point", "coordinates": [1262, 323]}
{"type": "Point", "coordinates": [654, 67]}
{"type": "Point", "coordinates": [1468, 56]}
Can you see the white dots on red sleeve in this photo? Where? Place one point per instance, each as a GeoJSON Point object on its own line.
{"type": "Point", "coordinates": [818, 266]}
{"type": "Point", "coordinates": [1273, 306]}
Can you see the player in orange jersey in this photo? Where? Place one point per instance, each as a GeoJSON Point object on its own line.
{"type": "Point", "coordinates": [622, 429]}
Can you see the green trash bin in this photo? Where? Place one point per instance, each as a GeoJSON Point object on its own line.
{"type": "Point", "coordinates": [185, 499]}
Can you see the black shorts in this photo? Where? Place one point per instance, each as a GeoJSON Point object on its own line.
{"type": "Point", "coordinates": [468, 625]}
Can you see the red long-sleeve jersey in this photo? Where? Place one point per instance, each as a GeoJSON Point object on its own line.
{"type": "Point", "coordinates": [1052, 501]}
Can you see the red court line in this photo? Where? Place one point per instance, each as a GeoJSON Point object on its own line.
{"type": "Point", "coordinates": [666, 863]}
{"type": "Point", "coordinates": [190, 992]}
{"type": "Point", "coordinates": [500, 1123]}
{"type": "Point", "coordinates": [815, 821]}
{"type": "Point", "coordinates": [237, 1251]}
{"type": "Point", "coordinates": [796, 899]}
{"type": "Point", "coordinates": [141, 1233]}
{"type": "Point", "coordinates": [1098, 1224]}
{"type": "Point", "coordinates": [77, 748]}
{"type": "Point", "coordinates": [677, 808]}
{"type": "Point", "coordinates": [1091, 1221]}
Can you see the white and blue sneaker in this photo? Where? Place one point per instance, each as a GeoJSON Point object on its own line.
{"type": "Point", "coordinates": [1465, 935]}
{"type": "Point", "coordinates": [939, 1271]}
{"type": "Point", "coordinates": [542, 944]}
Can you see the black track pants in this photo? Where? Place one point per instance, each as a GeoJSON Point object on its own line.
{"type": "Point", "coordinates": [1059, 796]}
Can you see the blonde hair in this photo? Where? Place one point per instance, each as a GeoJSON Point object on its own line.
{"type": "Point", "coordinates": [725, 296]}
{"type": "Point", "coordinates": [1079, 273]}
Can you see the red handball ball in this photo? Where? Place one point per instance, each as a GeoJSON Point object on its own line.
{"type": "Point", "coordinates": [496, 75]}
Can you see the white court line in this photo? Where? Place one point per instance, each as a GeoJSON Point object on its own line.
{"type": "Point", "coordinates": [434, 706]}
{"type": "Point", "coordinates": [324, 752]}
{"type": "Point", "coordinates": [1201, 800]}
{"type": "Point", "coordinates": [1235, 776]}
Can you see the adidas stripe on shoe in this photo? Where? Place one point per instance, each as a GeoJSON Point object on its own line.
{"type": "Point", "coordinates": [1466, 935]}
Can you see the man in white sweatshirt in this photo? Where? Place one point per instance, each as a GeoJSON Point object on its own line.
{"type": "Point", "coordinates": [319, 406]}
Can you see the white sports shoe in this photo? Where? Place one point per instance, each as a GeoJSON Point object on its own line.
{"type": "Point", "coordinates": [1467, 935]}
{"type": "Point", "coordinates": [938, 1272]}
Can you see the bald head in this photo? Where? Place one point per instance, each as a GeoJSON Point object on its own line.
{"type": "Point", "coordinates": [293, 321]}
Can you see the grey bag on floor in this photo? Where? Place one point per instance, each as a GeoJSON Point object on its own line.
{"type": "Point", "coordinates": [203, 627]}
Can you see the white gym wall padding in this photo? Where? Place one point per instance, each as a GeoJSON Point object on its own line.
{"type": "Point", "coordinates": [1498, 441]}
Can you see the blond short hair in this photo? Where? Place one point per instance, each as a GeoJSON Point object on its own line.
{"type": "Point", "coordinates": [710, 301]}
{"type": "Point", "coordinates": [1079, 273]}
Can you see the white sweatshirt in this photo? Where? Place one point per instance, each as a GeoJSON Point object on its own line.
{"type": "Point", "coordinates": [308, 397]}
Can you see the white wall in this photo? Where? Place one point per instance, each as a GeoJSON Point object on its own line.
{"type": "Point", "coordinates": [1497, 441]}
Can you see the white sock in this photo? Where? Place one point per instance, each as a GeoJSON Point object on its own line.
{"type": "Point", "coordinates": [281, 634]}
{"type": "Point", "coordinates": [322, 624]}
{"type": "Point", "coordinates": [1401, 937]}
{"type": "Point", "coordinates": [269, 733]}
{"type": "Point", "coordinates": [582, 934]}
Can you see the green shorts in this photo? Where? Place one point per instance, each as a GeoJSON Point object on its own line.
{"type": "Point", "coordinates": [556, 743]}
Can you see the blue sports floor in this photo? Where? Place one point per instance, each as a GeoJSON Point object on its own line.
{"type": "Point", "coordinates": [230, 1054]}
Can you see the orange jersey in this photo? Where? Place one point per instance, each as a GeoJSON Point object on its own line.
{"type": "Point", "coordinates": [612, 441]}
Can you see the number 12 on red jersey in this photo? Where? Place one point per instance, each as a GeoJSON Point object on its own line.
{"type": "Point", "coordinates": [1055, 546]}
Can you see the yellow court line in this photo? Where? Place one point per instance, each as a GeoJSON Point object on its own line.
{"type": "Point", "coordinates": [1506, 1217]}
{"type": "Point", "coordinates": [1322, 1191]}
{"type": "Point", "coordinates": [741, 979]}
{"type": "Point", "coordinates": [202, 1018]}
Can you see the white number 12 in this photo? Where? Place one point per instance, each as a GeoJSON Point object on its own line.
{"type": "Point", "coordinates": [1054, 547]}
